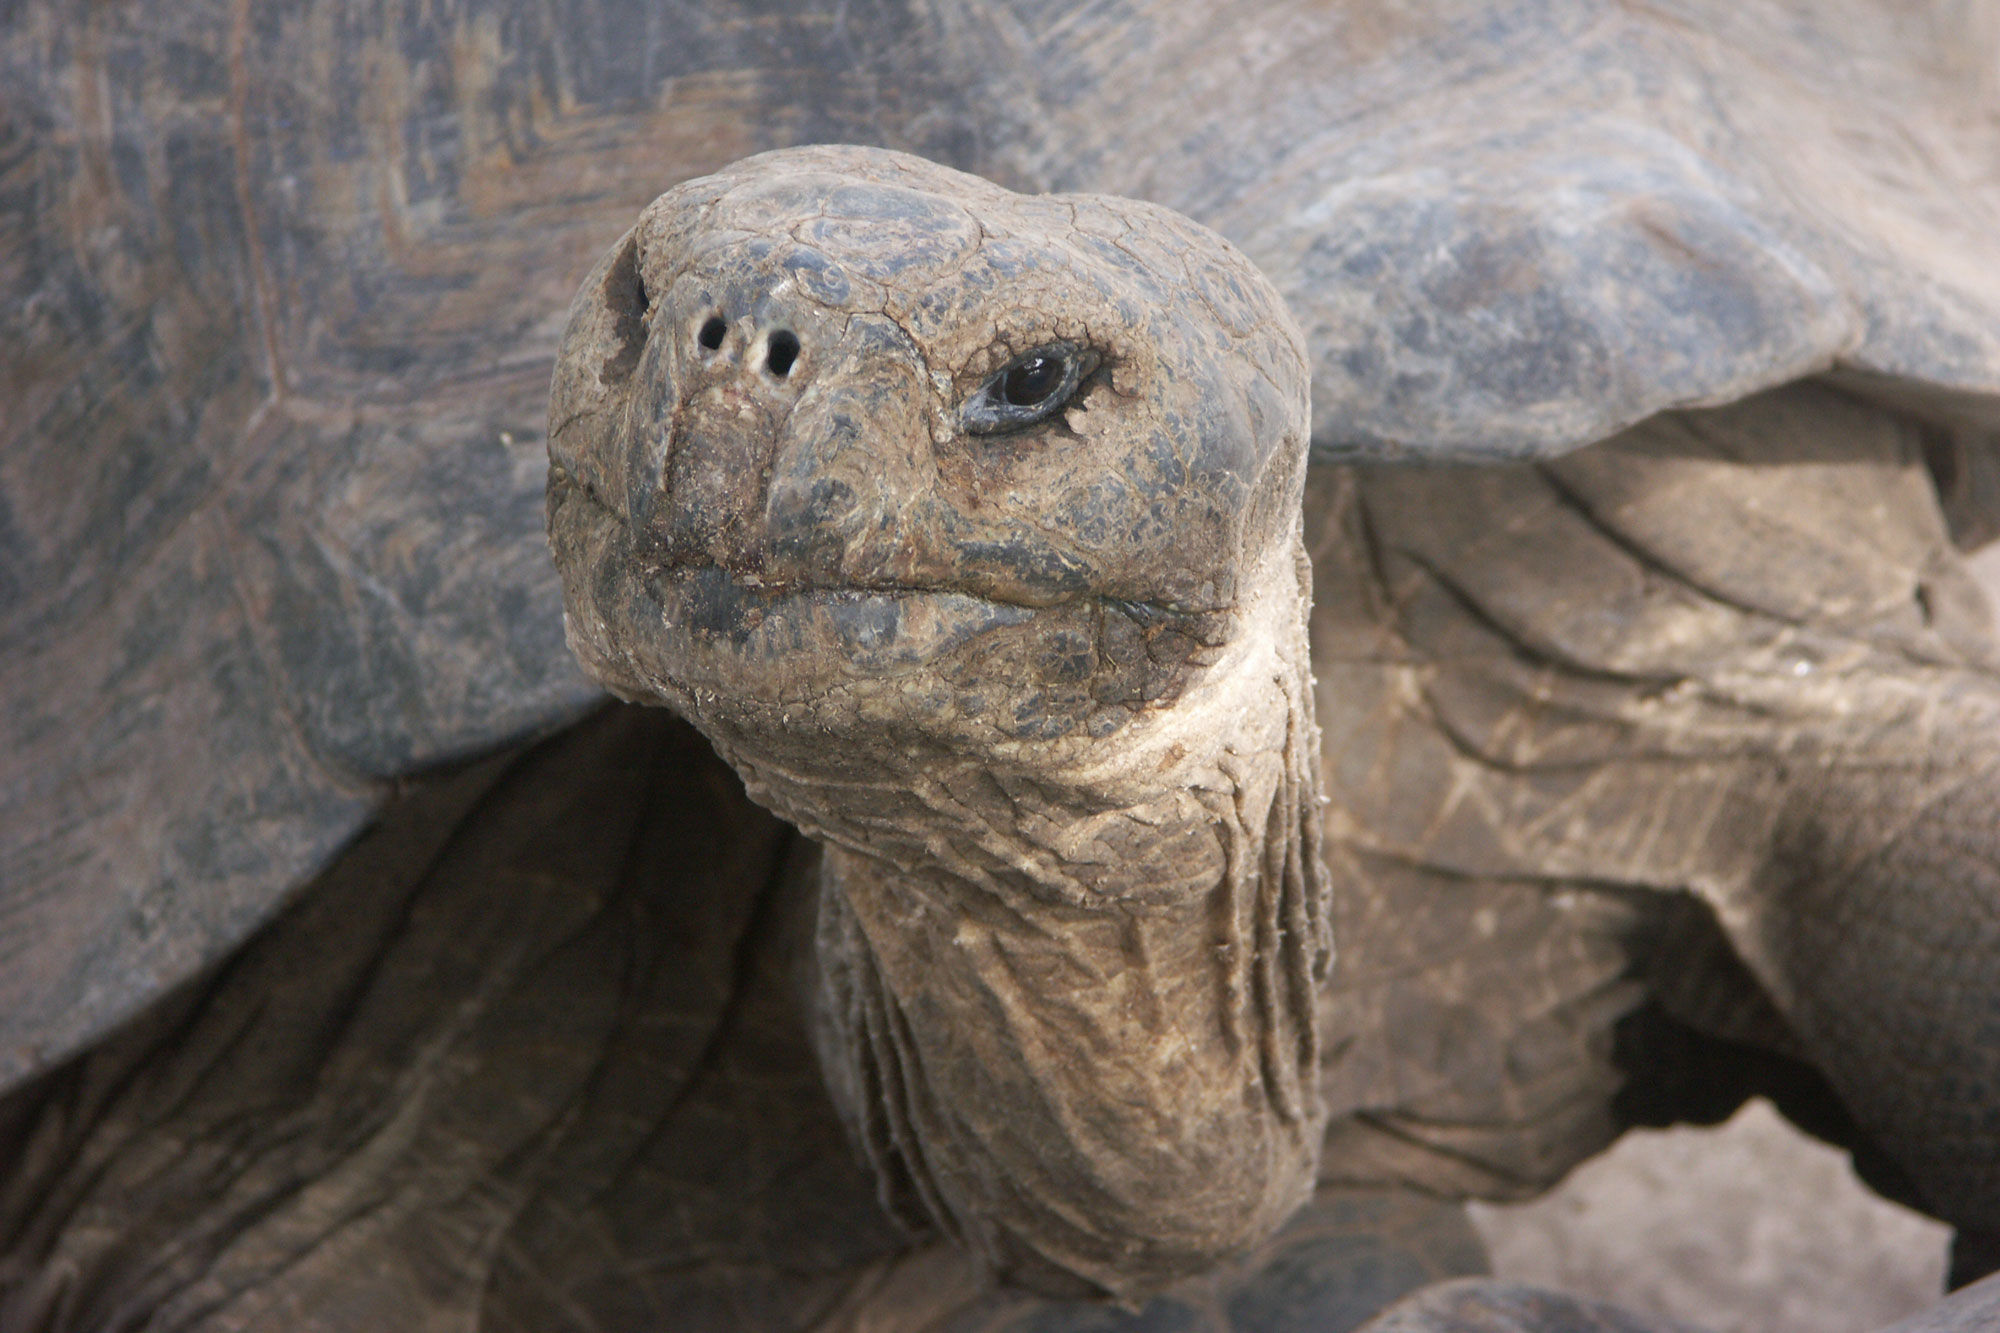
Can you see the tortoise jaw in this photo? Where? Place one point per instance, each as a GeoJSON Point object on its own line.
{"type": "Point", "coordinates": [1041, 695]}
{"type": "Point", "coordinates": [958, 666]}
{"type": "Point", "coordinates": [870, 628]}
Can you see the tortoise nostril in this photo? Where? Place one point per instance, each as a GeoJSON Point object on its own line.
{"type": "Point", "coordinates": [711, 333]}
{"type": "Point", "coordinates": [784, 349]}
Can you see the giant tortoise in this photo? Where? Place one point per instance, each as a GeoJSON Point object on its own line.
{"type": "Point", "coordinates": [362, 970]}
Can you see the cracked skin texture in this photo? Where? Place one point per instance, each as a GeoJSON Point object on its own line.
{"type": "Point", "coordinates": [1042, 692]}
{"type": "Point", "coordinates": [1684, 733]}
{"type": "Point", "coordinates": [1723, 676]}
{"type": "Point", "coordinates": [1535, 683]}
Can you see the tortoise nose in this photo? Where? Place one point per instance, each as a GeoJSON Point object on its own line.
{"type": "Point", "coordinates": [748, 344]}
{"type": "Point", "coordinates": [798, 448]}
{"type": "Point", "coordinates": [850, 499]}
{"type": "Point", "coordinates": [742, 377]}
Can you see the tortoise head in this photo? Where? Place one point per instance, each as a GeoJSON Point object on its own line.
{"type": "Point", "coordinates": [966, 525]}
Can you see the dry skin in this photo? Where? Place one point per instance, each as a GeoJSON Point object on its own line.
{"type": "Point", "coordinates": [1636, 756]}
{"type": "Point", "coordinates": [1038, 682]}
{"type": "Point", "coordinates": [285, 286]}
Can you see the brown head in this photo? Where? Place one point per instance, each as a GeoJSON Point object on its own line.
{"type": "Point", "coordinates": [966, 525]}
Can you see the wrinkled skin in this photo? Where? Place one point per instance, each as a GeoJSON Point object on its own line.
{"type": "Point", "coordinates": [1719, 696]}
{"type": "Point", "coordinates": [1551, 694]}
{"type": "Point", "coordinates": [288, 283]}
{"type": "Point", "coordinates": [1041, 690]}
{"type": "Point", "coordinates": [533, 1057]}
{"type": "Point", "coordinates": [540, 1064]}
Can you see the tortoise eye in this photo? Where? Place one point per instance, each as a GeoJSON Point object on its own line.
{"type": "Point", "coordinates": [1028, 389]}
{"type": "Point", "coordinates": [1032, 382]}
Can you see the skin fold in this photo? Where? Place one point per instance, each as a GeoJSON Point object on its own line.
{"type": "Point", "coordinates": [286, 1043]}
{"type": "Point", "coordinates": [1664, 761]}
{"type": "Point", "coordinates": [1720, 695]}
{"type": "Point", "coordinates": [1042, 692]}
{"type": "Point", "coordinates": [1698, 717]}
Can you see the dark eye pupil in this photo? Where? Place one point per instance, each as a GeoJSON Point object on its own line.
{"type": "Point", "coordinates": [1033, 380]}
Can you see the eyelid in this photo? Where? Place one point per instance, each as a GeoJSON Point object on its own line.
{"type": "Point", "coordinates": [984, 413]}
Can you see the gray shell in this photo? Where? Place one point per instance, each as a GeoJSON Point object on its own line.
{"type": "Point", "coordinates": [282, 291]}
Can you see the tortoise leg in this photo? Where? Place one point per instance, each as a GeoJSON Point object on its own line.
{"type": "Point", "coordinates": [1858, 878]}
{"type": "Point", "coordinates": [1730, 660]}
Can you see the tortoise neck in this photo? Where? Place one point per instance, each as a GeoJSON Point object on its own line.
{"type": "Point", "coordinates": [1073, 1021]}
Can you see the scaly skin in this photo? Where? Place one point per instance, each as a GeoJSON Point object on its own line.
{"type": "Point", "coordinates": [1684, 733]}
{"type": "Point", "coordinates": [1705, 717]}
{"type": "Point", "coordinates": [533, 1057]}
{"type": "Point", "coordinates": [1042, 691]}
{"type": "Point", "coordinates": [367, 1119]}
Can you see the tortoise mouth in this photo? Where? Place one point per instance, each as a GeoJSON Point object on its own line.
{"type": "Point", "coordinates": [873, 627]}
{"type": "Point", "coordinates": [1072, 655]}
{"type": "Point", "coordinates": [766, 592]}
{"type": "Point", "coordinates": [717, 600]}
{"type": "Point", "coordinates": [1022, 578]}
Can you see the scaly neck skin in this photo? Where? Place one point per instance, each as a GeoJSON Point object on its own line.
{"type": "Point", "coordinates": [1037, 676]}
{"type": "Point", "coordinates": [1069, 1012]}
